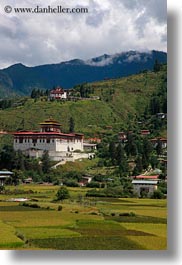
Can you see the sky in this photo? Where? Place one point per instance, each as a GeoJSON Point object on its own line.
{"type": "Point", "coordinates": [109, 27]}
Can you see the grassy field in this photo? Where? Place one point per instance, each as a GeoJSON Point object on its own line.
{"type": "Point", "coordinates": [82, 224]}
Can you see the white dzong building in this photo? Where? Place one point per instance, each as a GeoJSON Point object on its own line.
{"type": "Point", "coordinates": [50, 138]}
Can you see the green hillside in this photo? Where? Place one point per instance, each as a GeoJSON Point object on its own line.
{"type": "Point", "coordinates": [122, 103]}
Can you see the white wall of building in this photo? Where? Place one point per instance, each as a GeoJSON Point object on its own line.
{"type": "Point", "coordinates": [57, 96]}
{"type": "Point", "coordinates": [57, 145]}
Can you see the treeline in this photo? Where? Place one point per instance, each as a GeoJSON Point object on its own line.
{"type": "Point", "coordinates": [14, 102]}
{"type": "Point", "coordinates": [24, 166]}
{"type": "Point", "coordinates": [158, 100]}
{"type": "Point", "coordinates": [137, 149]}
{"type": "Point", "coordinates": [37, 93]}
{"type": "Point", "coordinates": [84, 90]}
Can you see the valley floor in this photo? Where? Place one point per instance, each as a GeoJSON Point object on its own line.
{"type": "Point", "coordinates": [81, 223]}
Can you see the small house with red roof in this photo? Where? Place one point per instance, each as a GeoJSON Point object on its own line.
{"type": "Point", "coordinates": [145, 184]}
{"type": "Point", "coordinates": [58, 93]}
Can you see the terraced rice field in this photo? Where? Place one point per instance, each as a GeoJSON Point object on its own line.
{"type": "Point", "coordinates": [90, 224]}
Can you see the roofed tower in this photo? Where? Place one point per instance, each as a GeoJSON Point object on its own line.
{"type": "Point", "coordinates": [50, 125]}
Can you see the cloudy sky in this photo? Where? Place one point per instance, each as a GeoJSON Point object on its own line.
{"type": "Point", "coordinates": [110, 26]}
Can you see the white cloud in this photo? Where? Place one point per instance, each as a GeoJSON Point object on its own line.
{"type": "Point", "coordinates": [111, 26]}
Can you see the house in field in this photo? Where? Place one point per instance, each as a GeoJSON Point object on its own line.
{"type": "Point", "coordinates": [58, 94]}
{"type": "Point", "coordinates": [4, 175]}
{"type": "Point", "coordinates": [60, 146]}
{"type": "Point", "coordinates": [145, 185]}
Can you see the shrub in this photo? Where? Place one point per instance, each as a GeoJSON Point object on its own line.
{"type": "Point", "coordinates": [62, 194]}
{"type": "Point", "coordinates": [124, 214]}
{"type": "Point", "coordinates": [127, 214]}
{"type": "Point", "coordinates": [94, 213]}
{"type": "Point", "coordinates": [157, 194]}
{"type": "Point", "coordinates": [60, 207]}
{"type": "Point", "coordinates": [132, 214]}
{"type": "Point", "coordinates": [93, 184]}
{"type": "Point", "coordinates": [34, 205]}
{"type": "Point", "coordinates": [113, 214]}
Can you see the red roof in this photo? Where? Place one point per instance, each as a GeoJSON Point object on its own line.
{"type": "Point", "coordinates": [96, 140]}
{"type": "Point", "coordinates": [57, 90]}
{"type": "Point", "coordinates": [160, 139]}
{"type": "Point", "coordinates": [30, 133]}
{"type": "Point", "coordinates": [145, 132]}
{"type": "Point", "coordinates": [147, 177]}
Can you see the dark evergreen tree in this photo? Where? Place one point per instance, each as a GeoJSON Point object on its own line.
{"type": "Point", "coordinates": [121, 160]}
{"type": "Point", "coordinates": [33, 93]}
{"type": "Point", "coordinates": [131, 147]}
{"type": "Point", "coordinates": [145, 161]}
{"type": "Point", "coordinates": [7, 157]}
{"type": "Point", "coordinates": [139, 167]}
{"type": "Point", "coordinates": [71, 125]}
{"type": "Point", "coordinates": [112, 152]}
{"type": "Point", "coordinates": [82, 91]}
{"type": "Point", "coordinates": [157, 66]}
{"type": "Point", "coordinates": [46, 162]}
{"type": "Point", "coordinates": [154, 161]}
{"type": "Point", "coordinates": [147, 148]}
{"type": "Point", "coordinates": [159, 147]}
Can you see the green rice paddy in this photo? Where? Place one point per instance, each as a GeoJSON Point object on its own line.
{"type": "Point", "coordinates": [89, 224]}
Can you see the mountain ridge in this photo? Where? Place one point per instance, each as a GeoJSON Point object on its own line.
{"type": "Point", "coordinates": [22, 79]}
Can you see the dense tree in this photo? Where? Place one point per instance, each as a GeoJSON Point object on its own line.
{"type": "Point", "coordinates": [19, 160]}
{"type": "Point", "coordinates": [36, 93]}
{"type": "Point", "coordinates": [121, 160]}
{"type": "Point", "coordinates": [62, 194]}
{"type": "Point", "coordinates": [159, 147]}
{"type": "Point", "coordinates": [147, 147]}
{"type": "Point", "coordinates": [155, 106]}
{"type": "Point", "coordinates": [7, 155]}
{"type": "Point", "coordinates": [157, 66]}
{"type": "Point", "coordinates": [131, 147]}
{"type": "Point", "coordinates": [71, 125]}
{"type": "Point", "coordinates": [154, 161]}
{"type": "Point", "coordinates": [112, 152]}
{"type": "Point", "coordinates": [46, 164]}
{"type": "Point", "coordinates": [139, 167]}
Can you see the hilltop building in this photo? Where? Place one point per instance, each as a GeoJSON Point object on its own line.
{"type": "Point", "coordinates": [61, 146]}
{"type": "Point", "coordinates": [58, 94]}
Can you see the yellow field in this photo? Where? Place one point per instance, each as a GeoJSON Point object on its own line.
{"type": "Point", "coordinates": [8, 237]}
